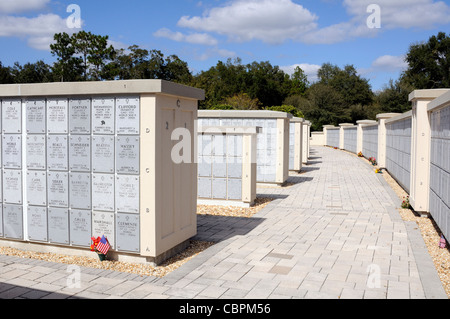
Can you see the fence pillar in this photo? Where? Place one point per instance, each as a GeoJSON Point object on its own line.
{"type": "Point", "coordinates": [381, 160]}
{"type": "Point", "coordinates": [359, 134]}
{"type": "Point", "coordinates": [306, 141]}
{"type": "Point", "coordinates": [420, 148]}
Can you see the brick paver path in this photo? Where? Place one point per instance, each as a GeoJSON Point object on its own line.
{"type": "Point", "coordinates": [335, 233]}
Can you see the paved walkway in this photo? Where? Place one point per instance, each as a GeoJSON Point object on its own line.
{"type": "Point", "coordinates": [335, 233]}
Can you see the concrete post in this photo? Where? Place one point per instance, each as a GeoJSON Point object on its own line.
{"type": "Point", "coordinates": [420, 148]}
{"type": "Point", "coordinates": [382, 137]}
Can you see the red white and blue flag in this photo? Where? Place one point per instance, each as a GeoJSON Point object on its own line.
{"type": "Point", "coordinates": [103, 246]}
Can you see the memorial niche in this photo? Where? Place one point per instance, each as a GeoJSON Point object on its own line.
{"type": "Point", "coordinates": [12, 151]}
{"type": "Point", "coordinates": [103, 116]}
{"type": "Point", "coordinates": [80, 116]}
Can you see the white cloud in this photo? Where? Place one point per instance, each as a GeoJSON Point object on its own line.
{"type": "Point", "coordinates": [271, 21]}
{"type": "Point", "coordinates": [277, 21]}
{"type": "Point", "coordinates": [18, 6]}
{"type": "Point", "coordinates": [194, 38]}
{"type": "Point", "coordinates": [403, 13]}
{"type": "Point", "coordinates": [309, 69]}
{"type": "Point", "coordinates": [38, 31]}
{"type": "Point", "coordinates": [390, 63]}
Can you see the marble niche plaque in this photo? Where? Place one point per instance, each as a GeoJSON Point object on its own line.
{"type": "Point", "coordinates": [127, 155]}
{"type": "Point", "coordinates": [128, 115]}
{"type": "Point", "coordinates": [36, 118]}
{"type": "Point", "coordinates": [37, 223]}
{"type": "Point", "coordinates": [37, 188]}
{"type": "Point", "coordinates": [12, 186]}
{"type": "Point", "coordinates": [36, 152]}
{"type": "Point", "coordinates": [127, 194]}
{"type": "Point", "coordinates": [103, 155]}
{"type": "Point", "coordinates": [103, 115]}
{"type": "Point", "coordinates": [58, 189]}
{"type": "Point", "coordinates": [103, 192]}
{"type": "Point", "coordinates": [103, 223]}
{"type": "Point", "coordinates": [80, 227]}
{"type": "Point", "coordinates": [80, 190]}
{"type": "Point", "coordinates": [128, 232]}
{"type": "Point", "coordinates": [80, 153]}
{"type": "Point", "coordinates": [12, 151]}
{"type": "Point", "coordinates": [80, 116]}
{"type": "Point", "coordinates": [58, 225]}
{"type": "Point", "coordinates": [57, 116]}
{"type": "Point", "coordinates": [13, 221]}
{"type": "Point", "coordinates": [57, 153]}
{"type": "Point", "coordinates": [12, 116]}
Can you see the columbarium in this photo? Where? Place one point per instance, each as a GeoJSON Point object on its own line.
{"type": "Point", "coordinates": [95, 158]}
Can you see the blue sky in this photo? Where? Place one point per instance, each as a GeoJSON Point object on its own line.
{"type": "Point", "coordinates": [286, 33]}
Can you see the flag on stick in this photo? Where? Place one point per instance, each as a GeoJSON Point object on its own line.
{"type": "Point", "coordinates": [103, 246]}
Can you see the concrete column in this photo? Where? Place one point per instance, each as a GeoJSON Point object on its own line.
{"type": "Point", "coordinates": [306, 141]}
{"type": "Point", "coordinates": [420, 148]}
{"type": "Point", "coordinates": [359, 139]}
{"type": "Point", "coordinates": [381, 160]}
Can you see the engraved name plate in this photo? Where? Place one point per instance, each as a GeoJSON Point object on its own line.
{"type": "Point", "coordinates": [57, 153]}
{"type": "Point", "coordinates": [12, 151]}
{"type": "Point", "coordinates": [37, 188]}
{"type": "Point", "coordinates": [12, 186]}
{"type": "Point", "coordinates": [37, 223]}
{"type": "Point", "coordinates": [13, 221]}
{"type": "Point", "coordinates": [103, 192]}
{"type": "Point", "coordinates": [57, 116]}
{"type": "Point", "coordinates": [127, 115]}
{"type": "Point", "coordinates": [103, 116]}
{"type": "Point", "coordinates": [58, 189]}
{"type": "Point", "coordinates": [127, 155]}
{"type": "Point", "coordinates": [103, 155]}
{"type": "Point", "coordinates": [80, 190]}
{"type": "Point", "coordinates": [12, 116]}
{"type": "Point", "coordinates": [127, 194]}
{"type": "Point", "coordinates": [127, 232]}
{"type": "Point", "coordinates": [80, 116]}
{"type": "Point", "coordinates": [58, 225]}
{"type": "Point", "coordinates": [36, 155]}
{"type": "Point", "coordinates": [80, 227]}
{"type": "Point", "coordinates": [80, 153]}
{"type": "Point", "coordinates": [103, 223]}
{"type": "Point", "coordinates": [36, 116]}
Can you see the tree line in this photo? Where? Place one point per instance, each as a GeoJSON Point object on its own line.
{"type": "Point", "coordinates": [340, 95]}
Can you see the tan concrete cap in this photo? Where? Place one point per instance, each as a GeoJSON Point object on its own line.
{"type": "Point", "coordinates": [244, 130]}
{"type": "Point", "coordinates": [387, 115]}
{"type": "Point", "coordinates": [297, 120]}
{"type": "Point", "coordinates": [346, 124]}
{"type": "Point", "coordinates": [366, 122]}
{"type": "Point", "coordinates": [426, 94]}
{"type": "Point", "coordinates": [243, 114]}
{"type": "Point", "coordinates": [101, 88]}
{"type": "Point", "coordinates": [439, 101]}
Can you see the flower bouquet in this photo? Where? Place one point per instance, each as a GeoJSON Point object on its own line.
{"type": "Point", "coordinates": [373, 161]}
{"type": "Point", "coordinates": [360, 154]}
{"type": "Point", "coordinates": [405, 203]}
{"type": "Point", "coordinates": [379, 171]}
{"type": "Point", "coordinates": [101, 246]}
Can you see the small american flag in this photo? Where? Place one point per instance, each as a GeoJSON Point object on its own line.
{"type": "Point", "coordinates": [103, 246]}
